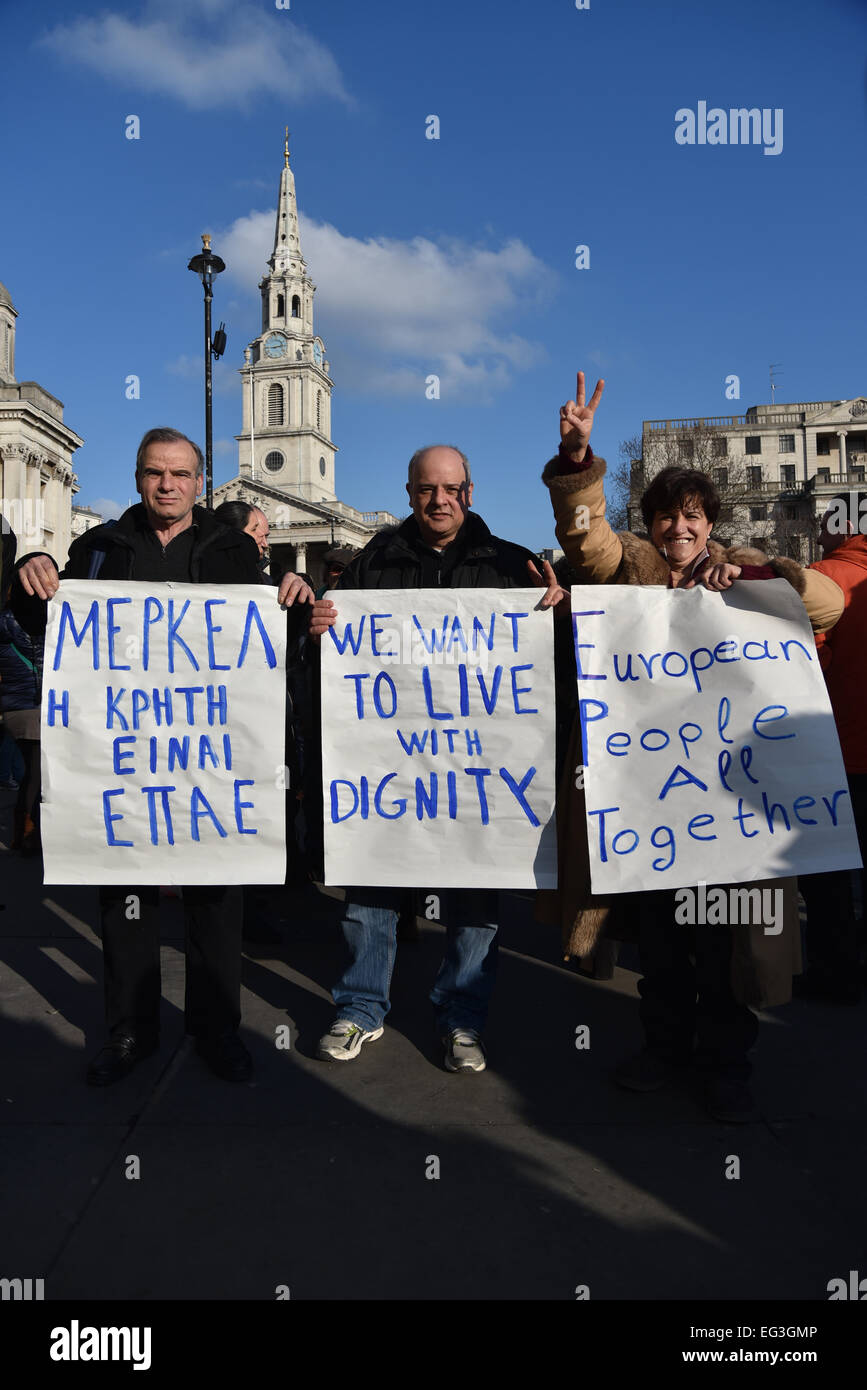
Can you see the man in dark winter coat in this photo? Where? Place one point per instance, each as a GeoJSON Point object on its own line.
{"type": "Point", "coordinates": [441, 544]}
{"type": "Point", "coordinates": [164, 537]}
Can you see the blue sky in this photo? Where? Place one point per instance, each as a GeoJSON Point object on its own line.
{"type": "Point", "coordinates": [453, 256]}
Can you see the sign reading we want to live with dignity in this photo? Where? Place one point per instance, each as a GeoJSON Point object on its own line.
{"type": "Point", "coordinates": [438, 739]}
{"type": "Point", "coordinates": [710, 747]}
{"type": "Point", "coordinates": [163, 734]}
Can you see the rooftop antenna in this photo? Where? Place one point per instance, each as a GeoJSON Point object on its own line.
{"type": "Point", "coordinates": [771, 370]}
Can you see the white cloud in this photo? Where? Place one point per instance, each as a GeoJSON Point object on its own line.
{"type": "Point", "coordinates": [394, 312]}
{"type": "Point", "coordinates": [186, 366]}
{"type": "Point", "coordinates": [224, 446]}
{"type": "Point", "coordinates": [205, 53]}
{"type": "Point", "coordinates": [190, 367]}
{"type": "Point", "coordinates": [108, 509]}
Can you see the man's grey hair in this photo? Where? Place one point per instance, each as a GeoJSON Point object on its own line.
{"type": "Point", "coordinates": [420, 453]}
{"type": "Point", "coordinates": [166, 435]}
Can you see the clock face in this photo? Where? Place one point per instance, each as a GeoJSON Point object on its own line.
{"type": "Point", "coordinates": [275, 346]}
{"type": "Point", "coordinates": [317, 354]}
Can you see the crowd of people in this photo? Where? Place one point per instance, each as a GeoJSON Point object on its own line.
{"type": "Point", "coordinates": [697, 1008]}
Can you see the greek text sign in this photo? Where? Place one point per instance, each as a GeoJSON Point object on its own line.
{"type": "Point", "coordinates": [438, 739]}
{"type": "Point", "coordinates": [163, 734]}
{"type": "Point", "coordinates": [710, 748]}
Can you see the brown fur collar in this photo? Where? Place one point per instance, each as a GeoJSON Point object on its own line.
{"type": "Point", "coordinates": [572, 482]}
{"type": "Point", "coordinates": [643, 564]}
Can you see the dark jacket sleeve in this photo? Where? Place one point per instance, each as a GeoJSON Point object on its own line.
{"type": "Point", "coordinates": [10, 546]}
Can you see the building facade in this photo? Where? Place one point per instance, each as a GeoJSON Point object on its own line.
{"type": "Point", "coordinates": [776, 468]}
{"type": "Point", "coordinates": [286, 457]}
{"type": "Point", "coordinates": [84, 519]}
{"type": "Point", "coordinates": [37, 482]}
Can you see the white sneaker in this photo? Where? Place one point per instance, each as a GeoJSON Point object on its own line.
{"type": "Point", "coordinates": [464, 1051]}
{"type": "Point", "coordinates": [343, 1041]}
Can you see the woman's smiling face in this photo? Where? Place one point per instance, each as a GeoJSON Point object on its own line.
{"type": "Point", "coordinates": [682, 531]}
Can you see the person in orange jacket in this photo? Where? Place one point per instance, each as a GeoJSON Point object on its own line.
{"type": "Point", "coordinates": [833, 946]}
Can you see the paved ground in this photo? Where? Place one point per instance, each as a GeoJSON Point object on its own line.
{"type": "Point", "coordinates": [314, 1175]}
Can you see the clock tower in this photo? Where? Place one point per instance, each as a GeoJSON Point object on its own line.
{"type": "Point", "coordinates": [285, 441]}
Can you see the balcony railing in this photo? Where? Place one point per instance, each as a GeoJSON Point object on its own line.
{"type": "Point", "coordinates": [712, 421]}
{"type": "Point", "coordinates": [756, 415]}
{"type": "Point", "coordinates": [855, 477]}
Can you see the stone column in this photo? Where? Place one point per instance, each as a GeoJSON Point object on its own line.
{"type": "Point", "coordinates": [15, 490]}
{"type": "Point", "coordinates": [300, 558]}
{"type": "Point", "coordinates": [844, 464]}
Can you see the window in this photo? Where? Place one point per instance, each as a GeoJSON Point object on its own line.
{"type": "Point", "coordinates": [823, 443]}
{"type": "Point", "coordinates": [823, 475]}
{"type": "Point", "coordinates": [725, 514]}
{"type": "Point", "coordinates": [790, 513]}
{"type": "Point", "coordinates": [758, 513]}
{"type": "Point", "coordinates": [856, 474]}
{"type": "Point", "coordinates": [787, 473]}
{"type": "Point", "coordinates": [296, 307]}
{"type": "Point", "coordinates": [754, 475]}
{"type": "Point", "coordinates": [753, 443]}
{"type": "Point", "coordinates": [720, 447]}
{"type": "Point", "coordinates": [322, 467]}
{"type": "Point", "coordinates": [281, 306]}
{"type": "Point", "coordinates": [275, 404]}
{"type": "Point", "coordinates": [319, 410]}
{"type": "Point", "coordinates": [687, 448]}
{"type": "Point", "coordinates": [787, 444]}
{"type": "Point", "coordinates": [274, 461]}
{"type": "Point", "coordinates": [758, 542]}
{"type": "Point", "coordinates": [721, 477]}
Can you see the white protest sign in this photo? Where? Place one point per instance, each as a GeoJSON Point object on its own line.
{"type": "Point", "coordinates": [710, 747]}
{"type": "Point", "coordinates": [438, 739]}
{"type": "Point", "coordinates": [163, 734]}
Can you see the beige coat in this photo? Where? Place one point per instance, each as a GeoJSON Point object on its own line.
{"type": "Point", "coordinates": [762, 966]}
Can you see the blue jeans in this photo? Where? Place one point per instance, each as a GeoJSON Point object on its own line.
{"type": "Point", "coordinates": [463, 986]}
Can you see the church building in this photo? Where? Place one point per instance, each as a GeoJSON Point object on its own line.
{"type": "Point", "coordinates": [286, 458]}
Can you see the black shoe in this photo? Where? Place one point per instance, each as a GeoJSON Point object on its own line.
{"type": "Point", "coordinates": [644, 1071]}
{"type": "Point", "coordinates": [117, 1059]}
{"type": "Point", "coordinates": [730, 1101]}
{"type": "Point", "coordinates": [227, 1056]}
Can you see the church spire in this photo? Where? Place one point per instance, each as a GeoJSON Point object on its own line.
{"type": "Point", "coordinates": [286, 255]}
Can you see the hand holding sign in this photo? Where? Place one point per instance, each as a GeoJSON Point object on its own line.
{"type": "Point", "coordinates": [716, 578]}
{"type": "Point", "coordinates": [323, 616]}
{"type": "Point", "coordinates": [554, 597]}
{"type": "Point", "coordinates": [293, 589]}
{"type": "Point", "coordinates": [39, 577]}
{"type": "Point", "coordinates": [576, 420]}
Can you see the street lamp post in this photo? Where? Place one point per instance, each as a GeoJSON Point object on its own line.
{"type": "Point", "coordinates": [206, 266]}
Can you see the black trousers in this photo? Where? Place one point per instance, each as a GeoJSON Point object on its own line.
{"type": "Point", "coordinates": [833, 941]}
{"type": "Point", "coordinates": [688, 1009]}
{"type": "Point", "coordinates": [30, 791]}
{"type": "Point", "coordinates": [131, 957]}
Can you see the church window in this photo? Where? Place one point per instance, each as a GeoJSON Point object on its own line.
{"type": "Point", "coordinates": [275, 404]}
{"type": "Point", "coordinates": [322, 467]}
{"type": "Point", "coordinates": [319, 410]}
{"type": "Point", "coordinates": [296, 307]}
{"type": "Point", "coordinates": [274, 461]}
{"type": "Point", "coordinates": [281, 306]}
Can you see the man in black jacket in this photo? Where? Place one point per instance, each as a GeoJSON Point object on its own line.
{"type": "Point", "coordinates": [441, 544]}
{"type": "Point", "coordinates": [164, 537]}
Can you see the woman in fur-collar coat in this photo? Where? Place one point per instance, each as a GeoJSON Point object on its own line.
{"type": "Point", "coordinates": [679, 509]}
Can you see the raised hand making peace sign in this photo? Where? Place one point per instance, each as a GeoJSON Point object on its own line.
{"type": "Point", "coordinates": [576, 420]}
